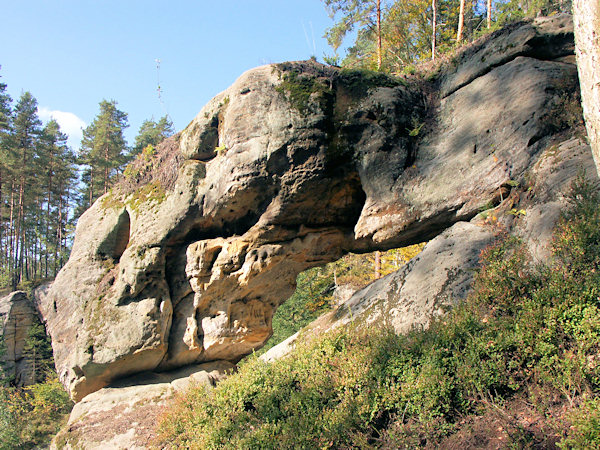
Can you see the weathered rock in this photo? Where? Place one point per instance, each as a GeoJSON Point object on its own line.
{"type": "Point", "coordinates": [546, 38]}
{"type": "Point", "coordinates": [586, 16]}
{"type": "Point", "coordinates": [426, 287]}
{"type": "Point", "coordinates": [308, 162]}
{"type": "Point", "coordinates": [17, 315]}
{"type": "Point", "coordinates": [124, 415]}
{"type": "Point", "coordinates": [441, 275]}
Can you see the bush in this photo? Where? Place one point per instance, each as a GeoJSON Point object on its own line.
{"type": "Point", "coordinates": [30, 417]}
{"type": "Point", "coordinates": [585, 431]}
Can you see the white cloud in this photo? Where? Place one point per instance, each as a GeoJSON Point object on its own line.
{"type": "Point", "coordinates": [69, 123]}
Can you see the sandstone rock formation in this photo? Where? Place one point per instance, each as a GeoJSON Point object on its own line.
{"type": "Point", "coordinates": [289, 168]}
{"type": "Point", "coordinates": [586, 17]}
{"type": "Point", "coordinates": [17, 315]}
{"type": "Point", "coordinates": [441, 275]}
{"type": "Point", "coordinates": [124, 416]}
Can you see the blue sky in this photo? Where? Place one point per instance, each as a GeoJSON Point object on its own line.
{"type": "Point", "coordinates": [71, 54]}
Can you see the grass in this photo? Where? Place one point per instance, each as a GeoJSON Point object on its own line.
{"type": "Point", "coordinates": [526, 336]}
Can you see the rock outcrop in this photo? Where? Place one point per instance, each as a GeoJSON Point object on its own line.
{"type": "Point", "coordinates": [17, 315]}
{"type": "Point", "coordinates": [291, 167]}
{"type": "Point", "coordinates": [124, 416]}
{"type": "Point", "coordinates": [586, 16]}
{"type": "Point", "coordinates": [441, 275]}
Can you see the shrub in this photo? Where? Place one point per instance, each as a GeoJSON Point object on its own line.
{"type": "Point", "coordinates": [585, 431]}
{"type": "Point", "coordinates": [30, 417]}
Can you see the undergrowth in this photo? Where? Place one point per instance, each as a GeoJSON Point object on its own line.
{"type": "Point", "coordinates": [31, 416]}
{"type": "Point", "coordinates": [157, 166]}
{"type": "Point", "coordinates": [526, 334]}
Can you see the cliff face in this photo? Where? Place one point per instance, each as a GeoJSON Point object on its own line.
{"type": "Point", "coordinates": [17, 316]}
{"type": "Point", "coordinates": [289, 168]}
{"type": "Point", "coordinates": [586, 17]}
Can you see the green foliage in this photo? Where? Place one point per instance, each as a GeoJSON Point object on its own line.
{"type": "Point", "coordinates": [221, 150]}
{"type": "Point", "coordinates": [315, 288]}
{"type": "Point", "coordinates": [152, 133]}
{"type": "Point", "coordinates": [38, 352]}
{"type": "Point", "coordinates": [299, 88]}
{"type": "Point", "coordinates": [354, 14]}
{"type": "Point", "coordinates": [151, 192]}
{"type": "Point", "coordinates": [585, 430]}
{"type": "Point", "coordinates": [406, 27]}
{"type": "Point", "coordinates": [37, 184]}
{"type": "Point", "coordinates": [103, 151]}
{"type": "Point", "coordinates": [526, 332]}
{"type": "Point", "coordinates": [514, 10]}
{"type": "Point", "coordinates": [30, 417]}
{"type": "Point", "coordinates": [358, 82]}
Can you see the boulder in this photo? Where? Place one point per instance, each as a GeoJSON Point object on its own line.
{"type": "Point", "coordinates": [586, 18]}
{"type": "Point", "coordinates": [442, 274]}
{"type": "Point", "coordinates": [124, 415]}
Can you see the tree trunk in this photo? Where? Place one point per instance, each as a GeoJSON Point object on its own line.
{"type": "Point", "coordinates": [461, 21]}
{"type": "Point", "coordinates": [379, 49]}
{"type": "Point", "coordinates": [489, 14]}
{"type": "Point", "coordinates": [58, 241]}
{"type": "Point", "coordinates": [48, 213]}
{"type": "Point", "coordinates": [12, 229]}
{"type": "Point", "coordinates": [106, 170]}
{"type": "Point", "coordinates": [20, 237]}
{"type": "Point", "coordinates": [377, 264]}
{"type": "Point", "coordinates": [91, 186]}
{"type": "Point", "coordinates": [433, 28]}
{"type": "Point", "coordinates": [1, 221]}
{"type": "Point", "coordinates": [586, 21]}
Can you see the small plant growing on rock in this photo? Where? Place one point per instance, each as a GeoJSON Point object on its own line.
{"type": "Point", "coordinates": [221, 150]}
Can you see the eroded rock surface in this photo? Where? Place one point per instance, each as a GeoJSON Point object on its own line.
{"type": "Point", "coordinates": [586, 16]}
{"type": "Point", "coordinates": [124, 415]}
{"type": "Point", "coordinates": [291, 167]}
{"type": "Point", "coordinates": [441, 275]}
{"type": "Point", "coordinates": [17, 315]}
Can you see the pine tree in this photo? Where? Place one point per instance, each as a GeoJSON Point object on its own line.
{"type": "Point", "coordinates": [362, 14]}
{"type": "Point", "coordinates": [38, 352]}
{"type": "Point", "coordinates": [57, 176]}
{"type": "Point", "coordinates": [152, 133]}
{"type": "Point", "coordinates": [103, 149]}
{"type": "Point", "coordinates": [461, 21]}
{"type": "Point", "coordinates": [412, 30]}
{"type": "Point", "coordinates": [5, 163]}
{"type": "Point", "coordinates": [5, 111]}
{"type": "Point", "coordinates": [26, 131]}
{"type": "Point", "coordinates": [37, 182]}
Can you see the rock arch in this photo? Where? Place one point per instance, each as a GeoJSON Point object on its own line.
{"type": "Point", "coordinates": [310, 162]}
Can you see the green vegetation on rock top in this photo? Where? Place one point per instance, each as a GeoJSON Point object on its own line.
{"type": "Point", "coordinates": [299, 88]}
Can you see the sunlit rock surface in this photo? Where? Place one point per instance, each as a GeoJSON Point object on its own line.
{"type": "Point", "coordinates": [291, 167]}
